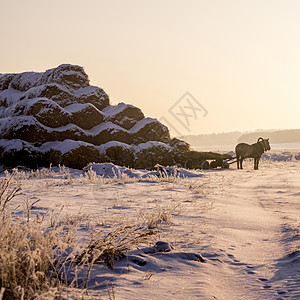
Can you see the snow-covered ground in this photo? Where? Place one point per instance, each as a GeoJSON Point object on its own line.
{"type": "Point", "coordinates": [243, 223]}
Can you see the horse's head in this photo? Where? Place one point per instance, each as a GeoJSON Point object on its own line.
{"type": "Point", "coordinates": [265, 143]}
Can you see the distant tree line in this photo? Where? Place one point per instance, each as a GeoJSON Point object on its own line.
{"type": "Point", "coordinates": [276, 137]}
{"type": "Point", "coordinates": [232, 138]}
{"type": "Point", "coordinates": [226, 138]}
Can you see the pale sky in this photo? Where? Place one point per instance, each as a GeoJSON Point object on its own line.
{"type": "Point", "coordinates": [239, 60]}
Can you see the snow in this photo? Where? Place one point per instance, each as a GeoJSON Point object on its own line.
{"type": "Point", "coordinates": [76, 107]}
{"type": "Point", "coordinates": [151, 144]}
{"type": "Point", "coordinates": [16, 122]}
{"type": "Point", "coordinates": [10, 96]}
{"type": "Point", "coordinates": [110, 170]}
{"type": "Point", "coordinates": [35, 91]}
{"type": "Point", "coordinates": [103, 147]}
{"type": "Point", "coordinates": [55, 74]}
{"type": "Point", "coordinates": [141, 124]}
{"type": "Point", "coordinates": [113, 110]}
{"type": "Point", "coordinates": [48, 103]}
{"type": "Point", "coordinates": [105, 126]}
{"type": "Point", "coordinates": [20, 121]}
{"type": "Point", "coordinates": [64, 146]}
{"type": "Point", "coordinates": [244, 223]}
{"type": "Point", "coordinates": [89, 90]}
{"type": "Point", "coordinates": [14, 144]}
{"type": "Point", "coordinates": [282, 156]}
{"type": "Point", "coordinates": [91, 132]}
{"type": "Point", "coordinates": [26, 80]}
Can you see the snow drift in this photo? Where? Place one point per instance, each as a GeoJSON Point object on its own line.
{"type": "Point", "coordinates": [109, 170]}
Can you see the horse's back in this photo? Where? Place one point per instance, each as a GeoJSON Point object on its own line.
{"type": "Point", "coordinates": [241, 148]}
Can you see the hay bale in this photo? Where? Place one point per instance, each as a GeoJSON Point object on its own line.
{"type": "Point", "coordinates": [25, 128]}
{"type": "Point", "coordinates": [85, 116]}
{"type": "Point", "coordinates": [148, 154]}
{"type": "Point", "coordinates": [93, 95]}
{"type": "Point", "coordinates": [74, 154]}
{"type": "Point", "coordinates": [118, 153]}
{"type": "Point", "coordinates": [149, 129]}
{"type": "Point", "coordinates": [70, 76]}
{"type": "Point", "coordinates": [64, 97]}
{"type": "Point", "coordinates": [107, 132]}
{"type": "Point", "coordinates": [17, 152]}
{"type": "Point", "coordinates": [53, 91]}
{"type": "Point", "coordinates": [124, 115]}
{"type": "Point", "coordinates": [48, 113]}
{"type": "Point", "coordinates": [180, 148]}
{"type": "Point", "coordinates": [5, 80]}
{"type": "Point", "coordinates": [73, 81]}
{"type": "Point", "coordinates": [80, 157]}
{"type": "Point", "coordinates": [24, 81]}
{"type": "Point", "coordinates": [29, 129]}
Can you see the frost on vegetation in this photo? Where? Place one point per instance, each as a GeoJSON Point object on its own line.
{"type": "Point", "coordinates": [40, 257]}
{"type": "Point", "coordinates": [159, 216]}
{"type": "Point", "coordinates": [8, 190]}
{"type": "Point", "coordinates": [27, 258]}
{"type": "Point", "coordinates": [60, 172]}
{"type": "Point", "coordinates": [102, 173]}
{"type": "Point", "coordinates": [91, 175]}
{"type": "Point", "coordinates": [110, 170]}
{"type": "Point", "coordinates": [113, 245]}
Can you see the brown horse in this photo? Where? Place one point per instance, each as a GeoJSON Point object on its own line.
{"type": "Point", "coordinates": [255, 151]}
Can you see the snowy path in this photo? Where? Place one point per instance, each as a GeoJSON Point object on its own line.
{"type": "Point", "coordinates": [255, 225]}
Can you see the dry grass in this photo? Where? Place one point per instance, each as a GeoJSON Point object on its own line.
{"type": "Point", "coordinates": [7, 191]}
{"type": "Point", "coordinates": [40, 257]}
{"type": "Point", "coordinates": [27, 258]}
{"type": "Point", "coordinates": [113, 245]}
{"type": "Point", "coordinates": [158, 217]}
{"type": "Point", "coordinates": [27, 251]}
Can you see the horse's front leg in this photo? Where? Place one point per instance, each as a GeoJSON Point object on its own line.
{"type": "Point", "coordinates": [257, 162]}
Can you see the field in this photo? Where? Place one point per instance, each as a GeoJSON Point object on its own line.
{"type": "Point", "coordinates": [223, 234]}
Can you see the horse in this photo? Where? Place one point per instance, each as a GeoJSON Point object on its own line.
{"type": "Point", "coordinates": [255, 151]}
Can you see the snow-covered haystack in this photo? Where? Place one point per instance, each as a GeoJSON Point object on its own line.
{"type": "Point", "coordinates": [57, 117]}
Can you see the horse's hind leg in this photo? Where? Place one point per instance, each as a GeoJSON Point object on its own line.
{"type": "Point", "coordinates": [241, 163]}
{"type": "Point", "coordinates": [238, 162]}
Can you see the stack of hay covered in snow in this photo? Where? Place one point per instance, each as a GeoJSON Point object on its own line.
{"type": "Point", "coordinates": [57, 117]}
